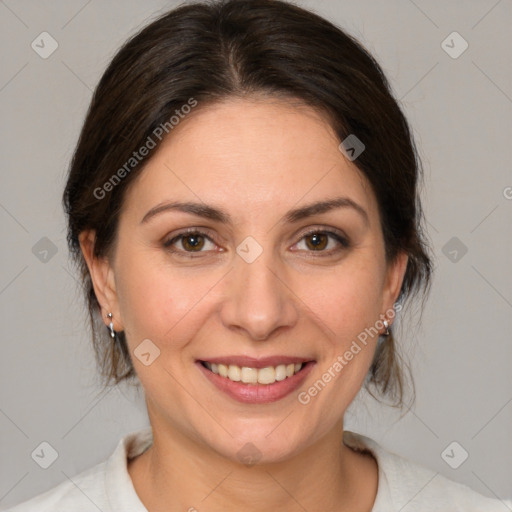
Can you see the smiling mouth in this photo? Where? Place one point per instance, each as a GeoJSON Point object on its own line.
{"type": "Point", "coordinates": [248, 375]}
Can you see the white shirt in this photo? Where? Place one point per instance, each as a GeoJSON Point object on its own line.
{"type": "Point", "coordinates": [403, 485]}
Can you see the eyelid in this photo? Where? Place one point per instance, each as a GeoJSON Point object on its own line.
{"type": "Point", "coordinates": [321, 228]}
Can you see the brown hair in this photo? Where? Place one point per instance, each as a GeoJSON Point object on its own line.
{"type": "Point", "coordinates": [210, 51]}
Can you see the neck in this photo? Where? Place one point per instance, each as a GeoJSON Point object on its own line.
{"type": "Point", "coordinates": [177, 473]}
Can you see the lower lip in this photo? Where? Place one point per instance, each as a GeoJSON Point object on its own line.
{"type": "Point", "coordinates": [258, 393]}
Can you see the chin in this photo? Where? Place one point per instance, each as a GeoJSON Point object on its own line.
{"type": "Point", "coordinates": [258, 441]}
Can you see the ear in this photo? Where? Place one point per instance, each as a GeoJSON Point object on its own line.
{"type": "Point", "coordinates": [394, 278]}
{"type": "Point", "coordinates": [102, 276]}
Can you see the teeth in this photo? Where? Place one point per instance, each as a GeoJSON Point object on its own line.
{"type": "Point", "coordinates": [280, 372]}
{"type": "Point", "coordinates": [247, 375]}
{"type": "Point", "coordinates": [223, 370]}
{"type": "Point", "coordinates": [234, 373]}
{"type": "Point", "coordinates": [266, 375]}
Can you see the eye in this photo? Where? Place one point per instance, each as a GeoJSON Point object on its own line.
{"type": "Point", "coordinates": [190, 241]}
{"type": "Point", "coordinates": [322, 241]}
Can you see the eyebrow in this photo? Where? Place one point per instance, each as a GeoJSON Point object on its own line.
{"type": "Point", "coordinates": [295, 215]}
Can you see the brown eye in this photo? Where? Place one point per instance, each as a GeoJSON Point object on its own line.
{"type": "Point", "coordinates": [325, 243]}
{"type": "Point", "coordinates": [317, 241]}
{"type": "Point", "coordinates": [192, 243]}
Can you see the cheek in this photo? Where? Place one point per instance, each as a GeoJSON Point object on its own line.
{"type": "Point", "coordinates": [158, 301]}
{"type": "Point", "coordinates": [346, 307]}
{"type": "Point", "coordinates": [347, 299]}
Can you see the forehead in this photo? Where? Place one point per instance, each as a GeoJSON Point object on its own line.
{"type": "Point", "coordinates": [250, 155]}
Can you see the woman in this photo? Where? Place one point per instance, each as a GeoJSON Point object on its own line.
{"type": "Point", "coordinates": [243, 205]}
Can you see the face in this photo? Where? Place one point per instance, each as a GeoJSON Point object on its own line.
{"type": "Point", "coordinates": [249, 274]}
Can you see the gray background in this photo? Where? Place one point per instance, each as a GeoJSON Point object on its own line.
{"type": "Point", "coordinates": [460, 110]}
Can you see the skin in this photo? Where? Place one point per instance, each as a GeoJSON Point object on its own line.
{"type": "Point", "coordinates": [256, 159]}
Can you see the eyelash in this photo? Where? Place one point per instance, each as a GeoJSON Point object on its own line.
{"type": "Point", "coordinates": [341, 239]}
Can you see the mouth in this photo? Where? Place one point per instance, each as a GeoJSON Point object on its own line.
{"type": "Point", "coordinates": [255, 381]}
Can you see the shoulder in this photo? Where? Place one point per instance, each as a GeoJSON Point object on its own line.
{"type": "Point", "coordinates": [409, 487]}
{"type": "Point", "coordinates": [106, 486]}
{"type": "Point", "coordinates": [82, 492]}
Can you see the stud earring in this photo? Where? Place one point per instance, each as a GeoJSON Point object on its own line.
{"type": "Point", "coordinates": [111, 326]}
{"type": "Point", "coordinates": [386, 325]}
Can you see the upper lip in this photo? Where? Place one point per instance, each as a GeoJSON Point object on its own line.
{"type": "Point", "coordinates": [256, 362]}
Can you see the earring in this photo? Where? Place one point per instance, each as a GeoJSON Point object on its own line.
{"type": "Point", "coordinates": [386, 325]}
{"type": "Point", "coordinates": [111, 326]}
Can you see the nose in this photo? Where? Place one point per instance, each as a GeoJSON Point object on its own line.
{"type": "Point", "coordinates": [258, 302]}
